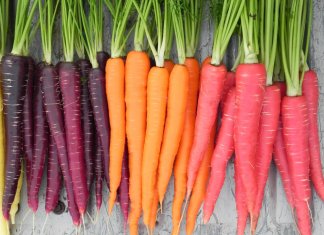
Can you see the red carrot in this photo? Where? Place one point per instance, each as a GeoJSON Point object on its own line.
{"type": "Point", "coordinates": [87, 121]}
{"type": "Point", "coordinates": [229, 83]}
{"type": "Point", "coordinates": [40, 141]}
{"type": "Point", "coordinates": [123, 189]}
{"type": "Point", "coordinates": [222, 153]}
{"type": "Point", "coordinates": [28, 126]}
{"type": "Point", "coordinates": [99, 173]}
{"type": "Point", "coordinates": [54, 177]}
{"type": "Point", "coordinates": [311, 93]}
{"type": "Point", "coordinates": [70, 88]}
{"type": "Point", "coordinates": [51, 98]}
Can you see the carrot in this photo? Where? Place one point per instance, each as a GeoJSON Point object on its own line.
{"type": "Point", "coordinates": [87, 120]}
{"type": "Point", "coordinates": [15, 70]}
{"type": "Point", "coordinates": [192, 21]}
{"type": "Point", "coordinates": [28, 126]}
{"type": "Point", "coordinates": [52, 103]}
{"type": "Point", "coordinates": [154, 211]}
{"type": "Point", "coordinates": [294, 108]}
{"type": "Point", "coordinates": [311, 93]}
{"type": "Point", "coordinates": [213, 77]}
{"type": "Point", "coordinates": [40, 140]}
{"type": "Point", "coordinates": [240, 199]}
{"type": "Point", "coordinates": [221, 154]}
{"type": "Point", "coordinates": [199, 189]}
{"type": "Point", "coordinates": [54, 177]}
{"type": "Point", "coordinates": [102, 58]}
{"type": "Point", "coordinates": [250, 86]}
{"type": "Point", "coordinates": [157, 91]}
{"type": "Point", "coordinates": [69, 78]}
{"type": "Point", "coordinates": [269, 17]}
{"type": "Point", "coordinates": [182, 158]}
{"type": "Point", "coordinates": [123, 190]}
{"type": "Point", "coordinates": [228, 85]}
{"type": "Point", "coordinates": [137, 68]}
{"type": "Point", "coordinates": [115, 90]}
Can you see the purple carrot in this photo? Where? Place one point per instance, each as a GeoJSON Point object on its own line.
{"type": "Point", "coordinates": [28, 119]}
{"type": "Point", "coordinates": [15, 69]}
{"type": "Point", "coordinates": [87, 120]}
{"type": "Point", "coordinates": [69, 78]}
{"type": "Point", "coordinates": [54, 114]}
{"type": "Point", "coordinates": [40, 140]}
{"type": "Point", "coordinates": [100, 112]}
{"type": "Point", "coordinates": [124, 187]}
{"type": "Point", "coordinates": [102, 58]}
{"type": "Point", "coordinates": [99, 174]}
{"type": "Point", "coordinates": [54, 177]}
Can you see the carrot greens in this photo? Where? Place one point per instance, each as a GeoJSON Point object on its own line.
{"type": "Point", "coordinates": [4, 18]}
{"type": "Point", "coordinates": [120, 11]}
{"type": "Point", "coordinates": [269, 25]}
{"type": "Point", "coordinates": [24, 15]}
{"type": "Point", "coordinates": [292, 27]}
{"type": "Point", "coordinates": [230, 15]}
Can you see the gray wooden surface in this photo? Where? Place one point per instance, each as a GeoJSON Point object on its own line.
{"type": "Point", "coordinates": [276, 217]}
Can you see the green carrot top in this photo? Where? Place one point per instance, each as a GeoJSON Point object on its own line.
{"type": "Point", "coordinates": [90, 39]}
{"type": "Point", "coordinates": [269, 27]}
{"type": "Point", "coordinates": [120, 11]}
{"type": "Point", "coordinates": [69, 15]}
{"type": "Point", "coordinates": [140, 43]}
{"type": "Point", "coordinates": [163, 22]}
{"type": "Point", "coordinates": [4, 18]}
{"type": "Point", "coordinates": [225, 26]}
{"type": "Point", "coordinates": [177, 11]}
{"type": "Point", "coordinates": [24, 15]}
{"type": "Point", "coordinates": [293, 15]}
{"type": "Point", "coordinates": [47, 13]}
{"type": "Point", "coordinates": [192, 25]}
{"type": "Point", "coordinates": [249, 25]}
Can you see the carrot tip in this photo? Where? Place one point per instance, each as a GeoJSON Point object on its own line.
{"type": "Point", "coordinates": [205, 219]}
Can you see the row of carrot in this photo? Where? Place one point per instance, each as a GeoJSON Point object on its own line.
{"type": "Point", "coordinates": [82, 113]}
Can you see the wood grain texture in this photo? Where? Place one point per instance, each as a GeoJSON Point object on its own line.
{"type": "Point", "coordinates": [276, 216]}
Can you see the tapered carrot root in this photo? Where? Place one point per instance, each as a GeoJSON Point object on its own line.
{"type": "Point", "coordinates": [311, 93]}
{"type": "Point", "coordinates": [182, 158]}
{"type": "Point", "coordinates": [240, 199]}
{"type": "Point", "coordinates": [250, 87]}
{"type": "Point", "coordinates": [174, 124]}
{"type": "Point", "coordinates": [14, 82]}
{"type": "Point", "coordinates": [115, 89]}
{"type": "Point", "coordinates": [199, 189]}
{"type": "Point", "coordinates": [154, 211]}
{"type": "Point", "coordinates": [70, 87]}
{"type": "Point", "coordinates": [136, 74]}
{"type": "Point", "coordinates": [267, 135]}
{"type": "Point", "coordinates": [157, 91]}
{"type": "Point", "coordinates": [295, 131]}
{"type": "Point", "coordinates": [211, 88]}
{"type": "Point", "coordinates": [100, 112]}
{"type": "Point", "coordinates": [221, 154]}
{"type": "Point", "coordinates": [229, 83]}
{"type": "Point", "coordinates": [54, 115]}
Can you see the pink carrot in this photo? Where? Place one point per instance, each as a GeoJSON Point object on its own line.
{"type": "Point", "coordinates": [311, 93]}
{"type": "Point", "coordinates": [222, 153]}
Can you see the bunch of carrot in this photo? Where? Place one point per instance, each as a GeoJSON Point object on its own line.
{"type": "Point", "coordinates": [117, 118]}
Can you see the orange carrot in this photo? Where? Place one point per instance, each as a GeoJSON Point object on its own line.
{"type": "Point", "coordinates": [180, 166]}
{"type": "Point", "coordinates": [136, 73]}
{"type": "Point", "coordinates": [199, 189]}
{"type": "Point", "coordinates": [115, 89]}
{"type": "Point", "coordinates": [176, 109]}
{"type": "Point", "coordinates": [157, 92]}
{"type": "Point", "coordinates": [154, 211]}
